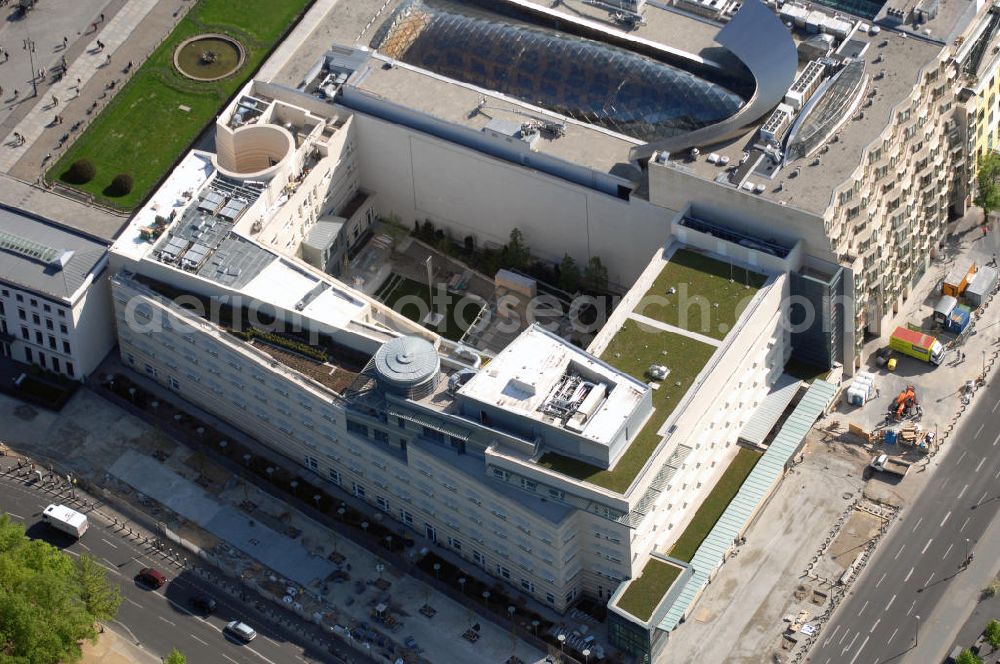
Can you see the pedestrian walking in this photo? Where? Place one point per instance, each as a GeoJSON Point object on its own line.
{"type": "Point", "coordinates": [15, 93]}
{"type": "Point", "coordinates": [78, 82]}
{"type": "Point", "coordinates": [55, 100]}
{"type": "Point", "coordinates": [100, 19]}
{"type": "Point", "coordinates": [48, 156]}
{"type": "Point", "coordinates": [1, 91]}
{"type": "Point", "coordinates": [108, 61]}
{"type": "Point", "coordinates": [65, 42]}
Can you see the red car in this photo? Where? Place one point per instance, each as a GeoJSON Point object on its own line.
{"type": "Point", "coordinates": [152, 578]}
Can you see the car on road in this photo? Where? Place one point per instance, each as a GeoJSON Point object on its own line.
{"type": "Point", "coordinates": [151, 578]}
{"type": "Point", "coordinates": [241, 631]}
{"type": "Point", "coordinates": [202, 603]}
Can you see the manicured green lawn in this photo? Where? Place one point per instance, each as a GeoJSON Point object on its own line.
{"type": "Point", "coordinates": [715, 504]}
{"type": "Point", "coordinates": [645, 592]}
{"type": "Point", "coordinates": [144, 130]}
{"type": "Point", "coordinates": [459, 313]}
{"type": "Point", "coordinates": [701, 283]}
{"type": "Point", "coordinates": [633, 350]}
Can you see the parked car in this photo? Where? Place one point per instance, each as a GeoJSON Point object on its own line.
{"type": "Point", "coordinates": [202, 603]}
{"type": "Point", "coordinates": [241, 631]}
{"type": "Point", "coordinates": [152, 578]}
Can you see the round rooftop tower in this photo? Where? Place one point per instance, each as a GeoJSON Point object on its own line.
{"type": "Point", "coordinates": [408, 366]}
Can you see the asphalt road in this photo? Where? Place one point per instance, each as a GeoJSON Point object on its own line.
{"type": "Point", "coordinates": [161, 619]}
{"type": "Point", "coordinates": [913, 567]}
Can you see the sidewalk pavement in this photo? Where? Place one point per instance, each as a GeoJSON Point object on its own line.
{"type": "Point", "coordinates": [131, 34]}
{"type": "Point", "coordinates": [112, 649]}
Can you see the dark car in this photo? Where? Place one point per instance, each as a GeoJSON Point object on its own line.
{"type": "Point", "coordinates": [882, 356]}
{"type": "Point", "coordinates": [152, 578]}
{"type": "Point", "coordinates": [202, 603]}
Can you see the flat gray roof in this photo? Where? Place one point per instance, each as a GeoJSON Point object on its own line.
{"type": "Point", "coordinates": [30, 251]}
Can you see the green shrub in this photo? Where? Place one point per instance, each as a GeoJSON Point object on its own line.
{"type": "Point", "coordinates": [121, 185]}
{"type": "Point", "coordinates": [80, 171]}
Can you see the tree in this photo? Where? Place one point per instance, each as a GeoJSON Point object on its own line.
{"type": "Point", "coordinates": [175, 657]}
{"type": "Point", "coordinates": [988, 191]}
{"type": "Point", "coordinates": [121, 185]}
{"type": "Point", "coordinates": [80, 171]}
{"type": "Point", "coordinates": [100, 598]}
{"type": "Point", "coordinates": [595, 276]}
{"type": "Point", "coordinates": [966, 657]}
{"type": "Point", "coordinates": [569, 274]}
{"type": "Point", "coordinates": [516, 254]}
{"type": "Point", "coordinates": [992, 634]}
{"type": "Point", "coordinates": [44, 612]}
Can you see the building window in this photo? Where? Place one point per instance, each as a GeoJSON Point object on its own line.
{"type": "Point", "coordinates": [24, 334]}
{"type": "Point", "coordinates": [55, 364]}
{"type": "Point", "coordinates": [52, 342]}
{"type": "Point", "coordinates": [359, 490]}
{"type": "Point", "coordinates": [34, 303]}
{"type": "Point", "coordinates": [333, 476]}
{"type": "Point", "coordinates": [550, 598]}
{"type": "Point", "coordinates": [455, 544]}
{"type": "Point", "coordinates": [36, 319]}
{"type": "Point", "coordinates": [69, 369]}
{"type": "Point", "coordinates": [48, 324]}
{"type": "Point", "coordinates": [501, 474]}
{"type": "Point", "coordinates": [406, 517]}
{"type": "Point", "coordinates": [311, 463]}
{"type": "Point", "coordinates": [27, 355]}
{"type": "Point", "coordinates": [380, 436]}
{"type": "Point", "coordinates": [433, 434]}
{"type": "Point", "coordinates": [527, 585]}
{"type": "Point", "coordinates": [38, 338]}
{"type": "Point", "coordinates": [382, 503]}
{"type": "Point", "coordinates": [21, 314]}
{"type": "Point", "coordinates": [173, 382]}
{"type": "Point", "coordinates": [63, 329]}
{"type": "Point", "coordinates": [528, 485]}
{"type": "Point", "coordinates": [150, 370]}
{"type": "Point", "coordinates": [62, 313]}
{"type": "Point", "coordinates": [357, 428]}
{"type": "Point", "coordinates": [503, 571]}
{"type": "Point", "coordinates": [20, 298]}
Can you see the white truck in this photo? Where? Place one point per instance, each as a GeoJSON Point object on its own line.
{"type": "Point", "coordinates": [65, 519]}
{"type": "Point", "coordinates": [886, 464]}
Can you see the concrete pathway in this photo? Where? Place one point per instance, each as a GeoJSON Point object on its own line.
{"type": "Point", "coordinates": [667, 327]}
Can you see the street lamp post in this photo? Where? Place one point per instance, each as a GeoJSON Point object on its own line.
{"type": "Point", "coordinates": [916, 639]}
{"type": "Point", "coordinates": [966, 548]}
{"type": "Point", "coordinates": [29, 46]}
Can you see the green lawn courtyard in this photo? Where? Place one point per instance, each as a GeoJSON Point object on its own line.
{"type": "Point", "coordinates": [412, 299]}
{"type": "Point", "coordinates": [159, 113]}
{"type": "Point", "coordinates": [632, 350]}
{"type": "Point", "coordinates": [704, 301]}
{"type": "Point", "coordinates": [645, 592]}
{"type": "Point", "coordinates": [715, 504]}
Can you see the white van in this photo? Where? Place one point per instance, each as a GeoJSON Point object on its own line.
{"type": "Point", "coordinates": [65, 519]}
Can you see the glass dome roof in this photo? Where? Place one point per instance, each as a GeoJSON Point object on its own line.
{"type": "Point", "coordinates": [581, 78]}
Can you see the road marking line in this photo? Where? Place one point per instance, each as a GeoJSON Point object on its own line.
{"type": "Point", "coordinates": [84, 546]}
{"type": "Point", "coordinates": [912, 604]}
{"type": "Point", "coordinates": [919, 521]}
{"type": "Point", "coordinates": [964, 523]}
{"type": "Point", "coordinates": [267, 639]}
{"type": "Point", "coordinates": [16, 516]}
{"type": "Point", "coordinates": [948, 551]}
{"type": "Point", "coordinates": [892, 636]}
{"type": "Point", "coordinates": [995, 406]}
{"type": "Point", "coordinates": [860, 648]}
{"type": "Point", "coordinates": [961, 457]}
{"type": "Point", "coordinates": [881, 579]}
{"type": "Point", "coordinates": [928, 582]}
{"type": "Point", "coordinates": [204, 643]}
{"type": "Point", "coordinates": [842, 638]}
{"type": "Point", "coordinates": [132, 601]}
{"type": "Point", "coordinates": [166, 621]}
{"type": "Point", "coordinates": [962, 492]}
{"type": "Point", "coordinates": [109, 543]}
{"type": "Point", "coordinates": [217, 629]}
{"type": "Point", "coordinates": [874, 625]}
{"type": "Point", "coordinates": [997, 439]}
{"type": "Point", "coordinates": [908, 575]}
{"type": "Point", "coordinates": [891, 600]}
{"type": "Point", "coordinates": [997, 475]}
{"type": "Point", "coordinates": [862, 610]}
{"type": "Point", "coordinates": [981, 462]}
{"type": "Point", "coordinates": [830, 638]}
{"type": "Point", "coordinates": [229, 658]}
{"type": "Point", "coordinates": [848, 646]}
{"type": "Point", "coordinates": [926, 546]}
{"type": "Point", "coordinates": [979, 430]}
{"type": "Point", "coordinates": [899, 552]}
{"type": "Point", "coordinates": [946, 516]}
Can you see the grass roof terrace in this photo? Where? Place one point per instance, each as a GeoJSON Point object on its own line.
{"type": "Point", "coordinates": [645, 592]}
{"type": "Point", "coordinates": [701, 283]}
{"type": "Point", "coordinates": [632, 350]}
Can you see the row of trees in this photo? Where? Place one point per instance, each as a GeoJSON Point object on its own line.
{"type": "Point", "coordinates": [49, 602]}
{"type": "Point", "coordinates": [516, 255]}
{"type": "Point", "coordinates": [992, 635]}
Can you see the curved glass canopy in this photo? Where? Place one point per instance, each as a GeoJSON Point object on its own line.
{"type": "Point", "coordinates": [587, 80]}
